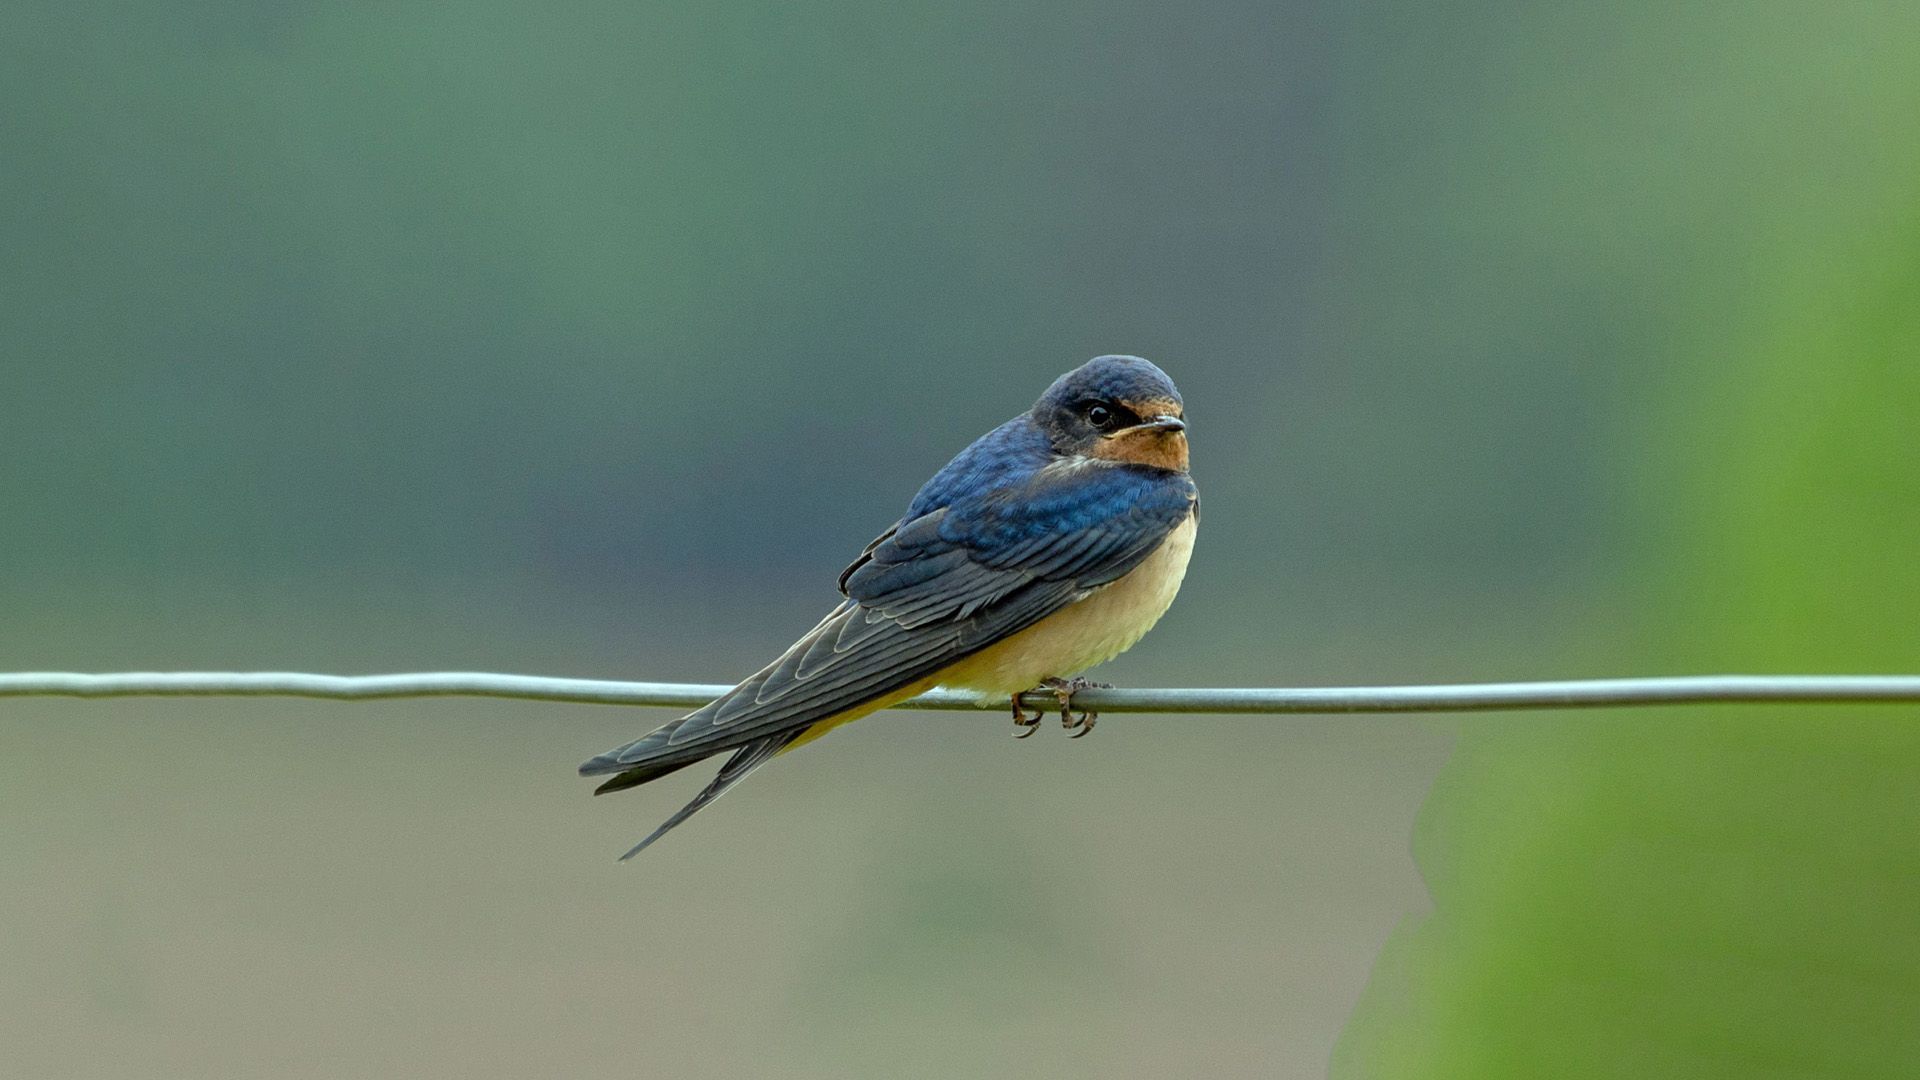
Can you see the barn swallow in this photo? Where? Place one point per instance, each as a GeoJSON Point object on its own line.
{"type": "Point", "coordinates": [1051, 544]}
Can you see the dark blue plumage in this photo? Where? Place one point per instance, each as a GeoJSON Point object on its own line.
{"type": "Point", "coordinates": [1027, 443]}
{"type": "Point", "coordinates": [1034, 517]}
{"type": "Point", "coordinates": [1014, 450]}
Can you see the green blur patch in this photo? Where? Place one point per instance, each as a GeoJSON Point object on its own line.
{"type": "Point", "coordinates": [1711, 893]}
{"type": "Point", "coordinates": [1664, 896]}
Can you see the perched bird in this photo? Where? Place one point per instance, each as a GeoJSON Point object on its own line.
{"type": "Point", "coordinates": [1051, 544]}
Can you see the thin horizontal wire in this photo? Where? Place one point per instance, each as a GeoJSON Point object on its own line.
{"type": "Point", "coordinates": [1574, 694]}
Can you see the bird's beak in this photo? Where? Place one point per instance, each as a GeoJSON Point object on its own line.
{"type": "Point", "coordinates": [1163, 422]}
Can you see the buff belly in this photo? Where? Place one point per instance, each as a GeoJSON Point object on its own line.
{"type": "Point", "coordinates": [1092, 631]}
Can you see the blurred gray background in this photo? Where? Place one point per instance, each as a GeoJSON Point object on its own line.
{"type": "Point", "coordinates": [594, 339]}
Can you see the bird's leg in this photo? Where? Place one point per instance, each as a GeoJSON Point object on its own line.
{"type": "Point", "coordinates": [1063, 691]}
{"type": "Point", "coordinates": [1025, 725]}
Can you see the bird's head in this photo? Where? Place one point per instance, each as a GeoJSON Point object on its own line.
{"type": "Point", "coordinates": [1117, 408]}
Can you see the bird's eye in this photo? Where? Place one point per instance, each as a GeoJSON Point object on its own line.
{"type": "Point", "coordinates": [1100, 416]}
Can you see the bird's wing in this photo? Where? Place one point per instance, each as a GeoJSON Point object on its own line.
{"type": "Point", "coordinates": [930, 592]}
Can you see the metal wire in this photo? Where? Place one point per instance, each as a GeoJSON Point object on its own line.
{"type": "Point", "coordinates": [1574, 694]}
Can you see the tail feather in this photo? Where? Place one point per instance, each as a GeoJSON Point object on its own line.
{"type": "Point", "coordinates": [743, 762]}
{"type": "Point", "coordinates": [635, 777]}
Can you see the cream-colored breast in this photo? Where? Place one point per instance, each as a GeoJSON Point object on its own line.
{"type": "Point", "coordinates": [1106, 623]}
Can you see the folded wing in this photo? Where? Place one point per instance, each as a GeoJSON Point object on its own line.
{"type": "Point", "coordinates": [929, 592]}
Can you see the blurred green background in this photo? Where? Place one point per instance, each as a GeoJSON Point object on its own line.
{"type": "Point", "coordinates": [1519, 341]}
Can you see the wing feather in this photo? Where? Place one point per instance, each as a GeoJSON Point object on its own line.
{"type": "Point", "coordinates": [930, 591]}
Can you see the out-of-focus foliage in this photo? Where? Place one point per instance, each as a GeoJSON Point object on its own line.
{"type": "Point", "coordinates": [1732, 893]}
{"type": "Point", "coordinates": [594, 337]}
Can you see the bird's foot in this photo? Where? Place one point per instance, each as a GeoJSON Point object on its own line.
{"type": "Point", "coordinates": [1023, 724]}
{"type": "Point", "coordinates": [1063, 690]}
